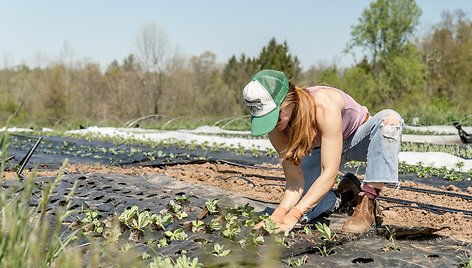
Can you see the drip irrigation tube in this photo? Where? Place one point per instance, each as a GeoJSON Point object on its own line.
{"type": "Point", "coordinates": [424, 205]}
{"type": "Point", "coordinates": [428, 191]}
{"type": "Point", "coordinates": [27, 157]}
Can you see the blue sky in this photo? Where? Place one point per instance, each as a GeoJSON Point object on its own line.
{"type": "Point", "coordinates": [35, 32]}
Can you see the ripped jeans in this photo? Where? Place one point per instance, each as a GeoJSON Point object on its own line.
{"type": "Point", "coordinates": [373, 142]}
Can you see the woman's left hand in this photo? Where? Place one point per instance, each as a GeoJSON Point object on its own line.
{"type": "Point", "coordinates": [289, 221]}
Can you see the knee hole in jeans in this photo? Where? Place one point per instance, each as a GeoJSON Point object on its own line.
{"type": "Point", "coordinates": [391, 119]}
{"type": "Point", "coordinates": [390, 127]}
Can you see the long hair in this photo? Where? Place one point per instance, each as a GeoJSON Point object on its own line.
{"type": "Point", "coordinates": [302, 124]}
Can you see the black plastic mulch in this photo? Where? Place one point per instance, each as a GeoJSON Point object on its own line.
{"type": "Point", "coordinates": [111, 194]}
{"type": "Point", "coordinates": [52, 151]}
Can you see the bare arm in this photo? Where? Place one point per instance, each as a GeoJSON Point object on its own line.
{"type": "Point", "coordinates": [328, 116]}
{"type": "Point", "coordinates": [293, 173]}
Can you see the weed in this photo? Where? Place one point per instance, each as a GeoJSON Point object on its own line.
{"type": "Point", "coordinates": [296, 262]}
{"type": "Point", "coordinates": [391, 246]}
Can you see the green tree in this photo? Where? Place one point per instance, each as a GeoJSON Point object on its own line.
{"type": "Point", "coordinates": [385, 32]}
{"type": "Point", "coordinates": [385, 29]}
{"type": "Point", "coordinates": [237, 73]}
{"type": "Point", "coordinates": [277, 57]}
{"type": "Point", "coordinates": [55, 94]}
{"type": "Point", "coordinates": [447, 53]}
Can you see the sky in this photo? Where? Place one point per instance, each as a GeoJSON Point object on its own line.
{"type": "Point", "coordinates": [100, 31]}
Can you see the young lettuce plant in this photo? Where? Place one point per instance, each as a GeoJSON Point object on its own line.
{"type": "Point", "coordinates": [111, 230]}
{"type": "Point", "coordinates": [92, 223]}
{"type": "Point", "coordinates": [219, 251]}
{"type": "Point", "coordinates": [177, 209]}
{"type": "Point", "coordinates": [184, 261]}
{"type": "Point", "coordinates": [178, 234]}
{"type": "Point", "coordinates": [198, 226]}
{"type": "Point", "coordinates": [160, 222]}
{"type": "Point", "coordinates": [215, 224]}
{"type": "Point", "coordinates": [138, 225]}
{"type": "Point", "coordinates": [212, 206]}
{"type": "Point", "coordinates": [326, 232]}
{"type": "Point", "coordinates": [128, 215]}
{"type": "Point", "coordinates": [232, 230]}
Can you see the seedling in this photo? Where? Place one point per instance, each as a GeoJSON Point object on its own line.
{"type": "Point", "coordinates": [158, 262]}
{"type": "Point", "coordinates": [111, 231]}
{"type": "Point", "coordinates": [212, 206]}
{"type": "Point", "coordinates": [219, 251]}
{"type": "Point", "coordinates": [182, 199]}
{"type": "Point", "coordinates": [184, 261]}
{"type": "Point", "coordinates": [307, 230]}
{"type": "Point", "coordinates": [391, 246]}
{"type": "Point", "coordinates": [325, 231]}
{"type": "Point", "coordinates": [297, 262]}
{"type": "Point", "coordinates": [145, 256]}
{"type": "Point", "coordinates": [161, 221]}
{"type": "Point", "coordinates": [230, 218]}
{"type": "Point", "coordinates": [150, 156]}
{"type": "Point", "coordinates": [142, 221]}
{"type": "Point", "coordinates": [232, 230]}
{"type": "Point", "coordinates": [197, 226]}
{"type": "Point", "coordinates": [162, 242]}
{"type": "Point", "coordinates": [160, 154]}
{"type": "Point", "coordinates": [128, 215]}
{"type": "Point", "coordinates": [240, 150]}
{"type": "Point", "coordinates": [324, 250]}
{"type": "Point", "coordinates": [246, 210]}
{"type": "Point", "coordinates": [174, 206]}
{"type": "Point", "coordinates": [178, 234]}
{"type": "Point", "coordinates": [92, 223]}
{"type": "Point", "coordinates": [271, 152]}
{"type": "Point", "coordinates": [270, 226]}
{"type": "Point", "coordinates": [181, 215]}
{"type": "Point", "coordinates": [215, 224]}
{"type": "Point", "coordinates": [255, 152]}
{"type": "Point", "coordinates": [257, 240]}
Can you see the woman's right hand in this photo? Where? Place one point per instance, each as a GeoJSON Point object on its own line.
{"type": "Point", "coordinates": [277, 216]}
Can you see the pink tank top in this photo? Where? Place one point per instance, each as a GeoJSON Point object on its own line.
{"type": "Point", "coordinates": [353, 114]}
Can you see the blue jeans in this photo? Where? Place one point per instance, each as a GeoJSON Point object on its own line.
{"type": "Point", "coordinates": [373, 142]}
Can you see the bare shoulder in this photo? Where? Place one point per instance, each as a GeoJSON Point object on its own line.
{"type": "Point", "coordinates": [278, 139]}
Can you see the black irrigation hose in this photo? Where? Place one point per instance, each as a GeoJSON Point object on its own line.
{"type": "Point", "coordinates": [242, 165]}
{"type": "Point", "coordinates": [27, 157]}
{"type": "Point", "coordinates": [428, 191]}
{"type": "Point", "coordinates": [273, 178]}
{"type": "Point", "coordinates": [407, 206]}
{"type": "Point", "coordinates": [239, 177]}
{"type": "Point", "coordinates": [424, 205]}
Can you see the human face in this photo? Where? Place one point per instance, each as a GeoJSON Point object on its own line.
{"type": "Point", "coordinates": [284, 117]}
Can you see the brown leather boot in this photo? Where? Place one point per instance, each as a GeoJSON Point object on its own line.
{"type": "Point", "coordinates": [348, 190]}
{"type": "Point", "coordinates": [363, 217]}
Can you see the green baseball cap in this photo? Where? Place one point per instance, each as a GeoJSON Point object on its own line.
{"type": "Point", "coordinates": [263, 95]}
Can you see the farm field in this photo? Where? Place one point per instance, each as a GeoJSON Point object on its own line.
{"type": "Point", "coordinates": [217, 185]}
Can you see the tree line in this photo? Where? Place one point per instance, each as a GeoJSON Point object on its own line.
{"type": "Point", "coordinates": [427, 77]}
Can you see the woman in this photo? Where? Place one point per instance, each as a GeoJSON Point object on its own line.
{"type": "Point", "coordinates": [315, 130]}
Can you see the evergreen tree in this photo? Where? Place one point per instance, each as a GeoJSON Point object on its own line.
{"type": "Point", "coordinates": [277, 57]}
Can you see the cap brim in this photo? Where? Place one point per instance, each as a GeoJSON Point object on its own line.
{"type": "Point", "coordinates": [264, 124]}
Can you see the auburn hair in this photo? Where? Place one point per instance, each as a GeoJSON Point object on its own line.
{"type": "Point", "coordinates": [302, 124]}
